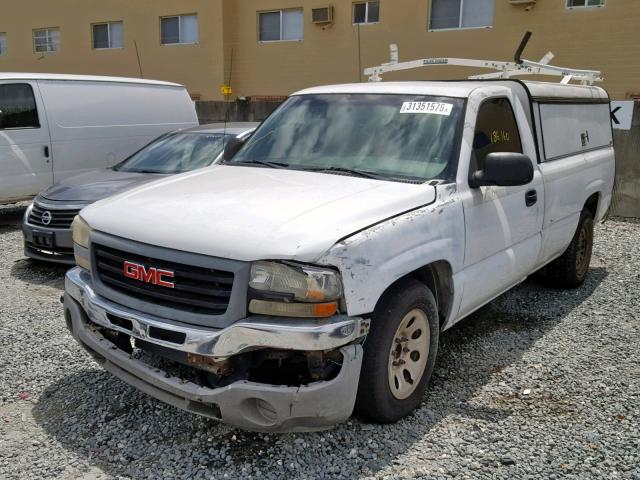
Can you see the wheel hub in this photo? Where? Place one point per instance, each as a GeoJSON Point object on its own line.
{"type": "Point", "coordinates": [409, 354]}
{"type": "Point", "coordinates": [583, 251]}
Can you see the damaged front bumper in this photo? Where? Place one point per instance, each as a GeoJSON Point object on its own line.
{"type": "Point", "coordinates": [244, 404]}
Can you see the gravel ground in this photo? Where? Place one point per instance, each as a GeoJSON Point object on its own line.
{"type": "Point", "coordinates": [541, 383]}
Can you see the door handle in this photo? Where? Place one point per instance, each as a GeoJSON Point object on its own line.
{"type": "Point", "coordinates": [584, 138]}
{"type": "Point", "coordinates": [45, 150]}
{"type": "Point", "coordinates": [530, 198]}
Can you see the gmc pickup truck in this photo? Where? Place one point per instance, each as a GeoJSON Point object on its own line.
{"type": "Point", "coordinates": [310, 274]}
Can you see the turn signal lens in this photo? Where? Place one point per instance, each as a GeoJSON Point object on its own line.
{"type": "Point", "coordinates": [303, 310]}
{"type": "Point", "coordinates": [82, 262]}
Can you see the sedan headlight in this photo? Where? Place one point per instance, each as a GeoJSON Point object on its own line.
{"type": "Point", "coordinates": [306, 291]}
{"type": "Point", "coordinates": [27, 213]}
{"type": "Point", "coordinates": [81, 232]}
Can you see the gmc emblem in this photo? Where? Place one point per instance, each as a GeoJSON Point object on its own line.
{"type": "Point", "coordinates": [151, 275]}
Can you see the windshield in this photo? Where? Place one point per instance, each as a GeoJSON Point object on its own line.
{"type": "Point", "coordinates": [394, 137]}
{"type": "Point", "coordinates": [176, 153]}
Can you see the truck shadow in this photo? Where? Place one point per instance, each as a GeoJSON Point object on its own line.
{"type": "Point", "coordinates": [36, 272]}
{"type": "Point", "coordinates": [11, 215]}
{"type": "Point", "coordinates": [125, 432]}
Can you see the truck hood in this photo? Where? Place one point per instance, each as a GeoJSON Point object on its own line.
{"type": "Point", "coordinates": [251, 213]}
{"type": "Point", "coordinates": [95, 185]}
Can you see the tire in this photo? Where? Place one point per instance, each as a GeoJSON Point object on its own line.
{"type": "Point", "coordinates": [388, 390]}
{"type": "Point", "coordinates": [571, 269]}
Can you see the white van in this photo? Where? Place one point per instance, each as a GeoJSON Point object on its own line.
{"type": "Point", "coordinates": [56, 126]}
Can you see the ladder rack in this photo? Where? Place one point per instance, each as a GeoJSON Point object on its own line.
{"type": "Point", "coordinates": [503, 69]}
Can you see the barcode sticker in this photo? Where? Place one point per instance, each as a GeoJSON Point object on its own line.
{"type": "Point", "coordinates": [436, 108]}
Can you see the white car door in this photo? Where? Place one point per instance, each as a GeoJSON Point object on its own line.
{"type": "Point", "coordinates": [502, 224]}
{"type": "Point", "coordinates": [25, 146]}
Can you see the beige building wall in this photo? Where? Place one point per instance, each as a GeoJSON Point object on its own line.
{"type": "Point", "coordinates": [198, 66]}
{"type": "Point", "coordinates": [605, 38]}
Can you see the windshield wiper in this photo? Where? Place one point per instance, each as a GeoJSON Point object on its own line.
{"type": "Point", "coordinates": [260, 162]}
{"type": "Point", "coordinates": [350, 171]}
{"type": "Point", "coordinates": [142, 171]}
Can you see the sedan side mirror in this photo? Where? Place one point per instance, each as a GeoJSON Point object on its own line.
{"type": "Point", "coordinates": [503, 169]}
{"type": "Point", "coordinates": [231, 148]}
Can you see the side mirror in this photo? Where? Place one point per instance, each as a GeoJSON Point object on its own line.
{"type": "Point", "coordinates": [503, 169]}
{"type": "Point", "coordinates": [231, 148]}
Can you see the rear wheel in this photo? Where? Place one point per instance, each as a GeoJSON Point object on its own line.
{"type": "Point", "coordinates": [400, 353]}
{"type": "Point", "coordinates": [571, 268]}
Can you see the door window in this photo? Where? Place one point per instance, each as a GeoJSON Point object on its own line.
{"type": "Point", "coordinates": [496, 131]}
{"type": "Point", "coordinates": [17, 106]}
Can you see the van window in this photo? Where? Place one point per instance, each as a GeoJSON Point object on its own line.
{"type": "Point", "coordinates": [496, 131]}
{"type": "Point", "coordinates": [17, 106]}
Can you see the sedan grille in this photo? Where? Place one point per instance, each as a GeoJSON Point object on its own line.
{"type": "Point", "coordinates": [195, 289]}
{"type": "Point", "coordinates": [52, 218]}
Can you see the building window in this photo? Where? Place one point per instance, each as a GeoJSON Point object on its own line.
{"type": "Point", "coordinates": [17, 106]}
{"type": "Point", "coordinates": [179, 29]}
{"type": "Point", "coordinates": [571, 4]}
{"type": "Point", "coordinates": [366, 12]}
{"type": "Point", "coordinates": [281, 25]}
{"type": "Point", "coordinates": [446, 14]}
{"type": "Point", "coordinates": [46, 40]}
{"type": "Point", "coordinates": [107, 35]}
{"type": "Point", "coordinates": [3, 43]}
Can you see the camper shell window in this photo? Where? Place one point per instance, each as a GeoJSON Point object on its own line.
{"type": "Point", "coordinates": [569, 129]}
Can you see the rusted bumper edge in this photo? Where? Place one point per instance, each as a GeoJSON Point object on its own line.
{"type": "Point", "coordinates": [247, 405]}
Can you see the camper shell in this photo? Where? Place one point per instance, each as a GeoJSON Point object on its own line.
{"type": "Point", "coordinates": [54, 126]}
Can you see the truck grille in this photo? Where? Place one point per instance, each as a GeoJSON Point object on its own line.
{"type": "Point", "coordinates": [59, 218]}
{"type": "Point", "coordinates": [196, 289]}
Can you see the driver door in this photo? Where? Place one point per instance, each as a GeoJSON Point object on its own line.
{"type": "Point", "coordinates": [502, 224]}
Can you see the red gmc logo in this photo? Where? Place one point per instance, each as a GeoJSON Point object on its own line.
{"type": "Point", "coordinates": [151, 275]}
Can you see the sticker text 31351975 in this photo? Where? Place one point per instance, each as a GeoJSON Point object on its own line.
{"type": "Point", "coordinates": [436, 108]}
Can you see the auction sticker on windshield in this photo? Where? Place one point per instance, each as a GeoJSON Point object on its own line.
{"type": "Point", "coordinates": [436, 108]}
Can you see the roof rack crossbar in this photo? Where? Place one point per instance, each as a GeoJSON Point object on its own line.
{"type": "Point", "coordinates": [503, 69]}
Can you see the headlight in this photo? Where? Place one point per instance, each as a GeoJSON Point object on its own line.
{"type": "Point", "coordinates": [27, 213]}
{"type": "Point", "coordinates": [304, 283]}
{"type": "Point", "coordinates": [81, 232]}
{"type": "Point", "coordinates": [306, 291]}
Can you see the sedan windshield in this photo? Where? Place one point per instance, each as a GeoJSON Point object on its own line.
{"type": "Point", "coordinates": [176, 153]}
{"type": "Point", "coordinates": [392, 137]}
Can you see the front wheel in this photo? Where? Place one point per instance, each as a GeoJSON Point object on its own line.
{"type": "Point", "coordinates": [399, 353]}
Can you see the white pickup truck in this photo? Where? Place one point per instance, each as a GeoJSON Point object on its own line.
{"type": "Point", "coordinates": [311, 273]}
